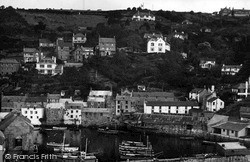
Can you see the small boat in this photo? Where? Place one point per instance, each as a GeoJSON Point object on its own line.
{"type": "Point", "coordinates": [59, 128]}
{"type": "Point", "coordinates": [66, 149]}
{"type": "Point", "coordinates": [107, 131]}
{"type": "Point", "coordinates": [53, 144]}
{"type": "Point", "coordinates": [208, 142]}
{"type": "Point", "coordinates": [187, 138]}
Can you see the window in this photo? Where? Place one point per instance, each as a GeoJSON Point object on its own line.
{"type": "Point", "coordinates": [160, 49]}
{"type": "Point", "coordinates": [35, 112]}
{"type": "Point", "coordinates": [152, 44]}
{"type": "Point", "coordinates": [213, 103]}
{"type": "Point", "coordinates": [76, 111]}
{"type": "Point", "coordinates": [31, 117]}
{"type": "Point", "coordinates": [25, 112]}
{"type": "Point", "coordinates": [232, 131]}
{"type": "Point", "coordinates": [126, 102]}
{"type": "Point", "coordinates": [31, 112]}
{"type": "Point", "coordinates": [41, 66]}
{"type": "Point", "coordinates": [71, 116]}
{"type": "Point", "coordinates": [37, 117]}
{"type": "Point", "coordinates": [160, 44]}
{"type": "Point", "coordinates": [49, 66]}
{"type": "Point", "coordinates": [102, 114]}
{"type": "Point", "coordinates": [152, 49]}
{"type": "Point", "coordinates": [71, 111]}
{"type": "Point", "coordinates": [18, 141]}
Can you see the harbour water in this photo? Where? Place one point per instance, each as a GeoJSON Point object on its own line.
{"type": "Point", "coordinates": [105, 146]}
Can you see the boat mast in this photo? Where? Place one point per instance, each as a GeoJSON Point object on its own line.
{"type": "Point", "coordinates": [86, 147]}
{"type": "Point", "coordinates": [63, 142]}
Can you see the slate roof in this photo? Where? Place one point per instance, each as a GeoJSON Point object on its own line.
{"type": "Point", "coordinates": [100, 93]}
{"type": "Point", "coordinates": [197, 90]}
{"type": "Point", "coordinates": [8, 101]}
{"type": "Point", "coordinates": [153, 94]}
{"type": "Point", "coordinates": [172, 103]}
{"type": "Point", "coordinates": [36, 99]}
{"type": "Point", "coordinates": [44, 41]}
{"type": "Point", "coordinates": [79, 35]}
{"type": "Point", "coordinates": [9, 61]}
{"type": "Point", "coordinates": [30, 50]}
{"type": "Point", "coordinates": [107, 40]}
{"type": "Point", "coordinates": [212, 99]}
{"type": "Point", "coordinates": [53, 96]}
{"type": "Point", "coordinates": [10, 118]}
{"type": "Point", "coordinates": [232, 66]}
{"type": "Point", "coordinates": [235, 126]}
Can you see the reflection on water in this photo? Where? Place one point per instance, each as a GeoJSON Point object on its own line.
{"type": "Point", "coordinates": [106, 146]}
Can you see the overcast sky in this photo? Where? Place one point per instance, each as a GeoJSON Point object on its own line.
{"type": "Point", "coordinates": [177, 5]}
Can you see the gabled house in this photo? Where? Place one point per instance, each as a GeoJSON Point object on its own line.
{"type": "Point", "coordinates": [80, 53]}
{"type": "Point", "coordinates": [198, 94]}
{"type": "Point", "coordinates": [232, 129]}
{"type": "Point", "coordinates": [63, 49]}
{"type": "Point", "coordinates": [214, 104]}
{"type": "Point", "coordinates": [107, 46]}
{"type": "Point", "coordinates": [207, 63]}
{"type": "Point", "coordinates": [180, 35]}
{"type": "Point", "coordinates": [157, 45]}
{"type": "Point", "coordinates": [175, 107]}
{"type": "Point", "coordinates": [53, 98]}
{"type": "Point", "coordinates": [73, 113]}
{"type": "Point", "coordinates": [49, 66]}
{"type": "Point", "coordinates": [242, 90]}
{"type": "Point", "coordinates": [46, 43]}
{"type": "Point", "coordinates": [31, 55]}
{"type": "Point", "coordinates": [143, 16]}
{"type": "Point", "coordinates": [55, 113]}
{"type": "Point", "coordinates": [18, 132]}
{"type": "Point", "coordinates": [10, 103]}
{"type": "Point", "coordinates": [225, 11]}
{"type": "Point", "coordinates": [78, 39]}
{"type": "Point", "coordinates": [9, 66]}
{"type": "Point", "coordinates": [34, 112]}
{"type": "Point", "coordinates": [230, 69]}
{"type": "Point", "coordinates": [245, 113]}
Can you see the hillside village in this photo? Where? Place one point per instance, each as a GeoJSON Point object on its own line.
{"type": "Point", "coordinates": [171, 71]}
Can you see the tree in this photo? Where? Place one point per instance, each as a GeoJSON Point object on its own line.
{"type": "Point", "coordinates": [133, 9]}
{"type": "Point", "coordinates": [128, 9]}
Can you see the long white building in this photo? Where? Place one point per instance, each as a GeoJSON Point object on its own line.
{"type": "Point", "coordinates": [34, 112]}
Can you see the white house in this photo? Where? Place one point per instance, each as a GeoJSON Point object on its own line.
{"type": "Point", "coordinates": [157, 45]}
{"type": "Point", "coordinates": [79, 38]}
{"type": "Point", "coordinates": [207, 63]}
{"type": "Point", "coordinates": [73, 113]}
{"type": "Point", "coordinates": [49, 66]}
{"type": "Point", "coordinates": [143, 16]}
{"type": "Point", "coordinates": [99, 93]}
{"type": "Point", "coordinates": [230, 69]}
{"type": "Point", "coordinates": [214, 104]}
{"type": "Point", "coordinates": [242, 90]}
{"type": "Point", "coordinates": [174, 107]}
{"type": "Point", "coordinates": [34, 112]}
{"type": "Point", "coordinates": [31, 55]}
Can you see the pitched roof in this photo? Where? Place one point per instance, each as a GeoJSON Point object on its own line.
{"type": "Point", "coordinates": [36, 99]}
{"type": "Point", "coordinates": [153, 94]}
{"type": "Point", "coordinates": [212, 99]}
{"type": "Point", "coordinates": [107, 40]}
{"type": "Point", "coordinates": [172, 103]}
{"type": "Point", "coordinates": [150, 35]}
{"type": "Point", "coordinates": [55, 105]}
{"type": "Point", "coordinates": [8, 101]}
{"type": "Point", "coordinates": [79, 35]}
{"type": "Point", "coordinates": [231, 145]}
{"type": "Point", "coordinates": [100, 93]}
{"type": "Point", "coordinates": [197, 90]}
{"type": "Point", "coordinates": [9, 61]}
{"type": "Point", "coordinates": [10, 118]}
{"type": "Point", "coordinates": [53, 96]}
{"type": "Point", "coordinates": [235, 126]}
{"type": "Point", "coordinates": [232, 66]}
{"type": "Point", "coordinates": [30, 50]}
{"type": "Point", "coordinates": [44, 41]}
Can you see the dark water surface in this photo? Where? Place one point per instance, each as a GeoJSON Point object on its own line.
{"type": "Point", "coordinates": [106, 146]}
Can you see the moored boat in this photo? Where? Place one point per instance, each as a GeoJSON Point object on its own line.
{"type": "Point", "coordinates": [53, 144]}
{"type": "Point", "coordinates": [66, 149]}
{"type": "Point", "coordinates": [59, 128]}
{"type": "Point", "coordinates": [107, 131]}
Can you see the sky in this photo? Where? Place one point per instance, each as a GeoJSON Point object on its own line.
{"type": "Point", "coordinates": [176, 5]}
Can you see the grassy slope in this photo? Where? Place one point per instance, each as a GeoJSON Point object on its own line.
{"type": "Point", "coordinates": [55, 20]}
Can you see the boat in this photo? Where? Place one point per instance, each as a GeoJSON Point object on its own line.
{"type": "Point", "coordinates": [208, 142]}
{"type": "Point", "coordinates": [107, 131]}
{"type": "Point", "coordinates": [59, 128]}
{"type": "Point", "coordinates": [66, 149]}
{"type": "Point", "coordinates": [187, 138]}
{"type": "Point", "coordinates": [54, 144]}
{"type": "Point", "coordinates": [136, 150]}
